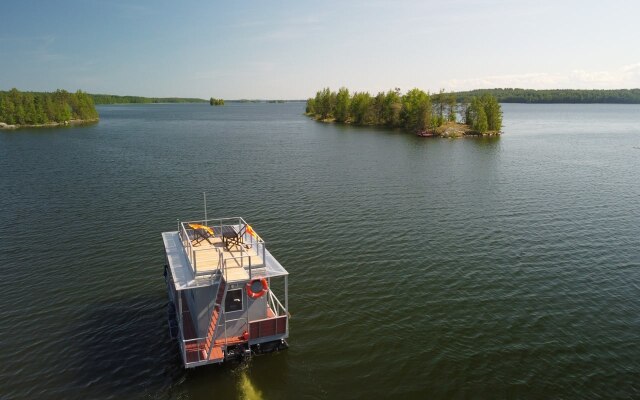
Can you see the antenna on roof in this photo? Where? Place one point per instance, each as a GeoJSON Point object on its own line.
{"type": "Point", "coordinates": [205, 207]}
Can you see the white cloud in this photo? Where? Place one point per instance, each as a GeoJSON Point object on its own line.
{"type": "Point", "coordinates": [627, 76]}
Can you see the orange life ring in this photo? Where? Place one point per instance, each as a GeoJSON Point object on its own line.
{"type": "Point", "coordinates": [255, 295]}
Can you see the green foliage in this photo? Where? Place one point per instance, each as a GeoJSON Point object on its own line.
{"type": "Point", "coordinates": [377, 109]}
{"type": "Point", "coordinates": [492, 111]}
{"type": "Point", "coordinates": [325, 102]}
{"type": "Point", "coordinates": [216, 102]}
{"type": "Point", "coordinates": [361, 108]}
{"type": "Point", "coordinates": [311, 106]}
{"type": "Point", "coordinates": [416, 112]}
{"type": "Point", "coordinates": [392, 109]}
{"type": "Point", "coordinates": [484, 114]}
{"type": "Point", "coordinates": [32, 108]}
{"type": "Point", "coordinates": [508, 95]}
{"type": "Point", "coordinates": [480, 124]}
{"type": "Point", "coordinates": [343, 105]}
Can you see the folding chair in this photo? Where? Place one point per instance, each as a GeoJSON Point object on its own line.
{"type": "Point", "coordinates": [201, 232]}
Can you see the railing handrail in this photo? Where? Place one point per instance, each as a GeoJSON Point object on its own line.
{"type": "Point", "coordinates": [191, 340]}
{"type": "Point", "coordinates": [267, 319]}
{"type": "Point", "coordinates": [194, 264]}
{"type": "Point", "coordinates": [239, 219]}
{"type": "Point", "coordinates": [206, 222]}
{"type": "Point", "coordinates": [235, 319]}
{"type": "Point", "coordinates": [274, 297]}
{"type": "Point", "coordinates": [191, 251]}
{"type": "Point", "coordinates": [186, 237]}
{"type": "Point", "coordinates": [253, 240]}
{"type": "Point", "coordinates": [200, 341]}
{"type": "Point", "coordinates": [236, 257]}
{"type": "Point", "coordinates": [241, 266]}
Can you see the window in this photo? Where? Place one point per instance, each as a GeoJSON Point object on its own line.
{"type": "Point", "coordinates": [233, 301]}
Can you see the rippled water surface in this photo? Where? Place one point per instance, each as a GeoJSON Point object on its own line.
{"type": "Point", "coordinates": [420, 268]}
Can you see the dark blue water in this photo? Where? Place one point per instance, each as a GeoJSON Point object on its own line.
{"type": "Point", "coordinates": [420, 268]}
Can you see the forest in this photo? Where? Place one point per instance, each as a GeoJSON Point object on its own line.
{"type": "Point", "coordinates": [113, 99]}
{"type": "Point", "coordinates": [614, 96]}
{"type": "Point", "coordinates": [216, 102]}
{"type": "Point", "coordinates": [414, 111]}
{"type": "Point", "coordinates": [35, 108]}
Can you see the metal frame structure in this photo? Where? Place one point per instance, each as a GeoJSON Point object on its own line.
{"type": "Point", "coordinates": [184, 274]}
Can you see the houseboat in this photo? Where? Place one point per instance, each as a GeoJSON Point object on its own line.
{"type": "Point", "coordinates": [221, 281]}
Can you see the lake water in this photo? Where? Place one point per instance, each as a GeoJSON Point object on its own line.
{"type": "Point", "coordinates": [420, 268]}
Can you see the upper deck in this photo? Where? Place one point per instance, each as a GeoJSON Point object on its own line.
{"type": "Point", "coordinates": [200, 252]}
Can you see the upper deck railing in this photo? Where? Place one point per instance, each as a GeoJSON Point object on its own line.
{"type": "Point", "coordinates": [252, 248]}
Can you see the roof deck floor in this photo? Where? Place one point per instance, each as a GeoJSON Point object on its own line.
{"type": "Point", "coordinates": [208, 252]}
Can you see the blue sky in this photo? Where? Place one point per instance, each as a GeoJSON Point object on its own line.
{"type": "Point", "coordinates": [290, 49]}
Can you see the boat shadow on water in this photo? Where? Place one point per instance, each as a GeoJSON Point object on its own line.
{"type": "Point", "coordinates": [124, 348]}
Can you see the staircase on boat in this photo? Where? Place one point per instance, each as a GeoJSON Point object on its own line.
{"type": "Point", "coordinates": [212, 350]}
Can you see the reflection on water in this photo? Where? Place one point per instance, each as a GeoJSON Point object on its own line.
{"type": "Point", "coordinates": [247, 390]}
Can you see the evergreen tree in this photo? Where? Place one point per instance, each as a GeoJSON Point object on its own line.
{"type": "Point", "coordinates": [343, 104]}
{"type": "Point", "coordinates": [392, 108]}
{"type": "Point", "coordinates": [481, 124]}
{"type": "Point", "coordinates": [439, 100]}
{"type": "Point", "coordinates": [311, 106]}
{"type": "Point", "coordinates": [378, 106]}
{"type": "Point", "coordinates": [492, 111]}
{"type": "Point", "coordinates": [451, 107]}
{"type": "Point", "coordinates": [21, 114]}
{"type": "Point", "coordinates": [325, 103]}
{"type": "Point", "coordinates": [49, 109]}
{"type": "Point", "coordinates": [464, 111]}
{"type": "Point", "coordinates": [8, 111]}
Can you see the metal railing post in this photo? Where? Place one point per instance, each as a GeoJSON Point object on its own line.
{"type": "Point", "coordinates": [286, 300]}
{"type": "Point", "coordinates": [195, 268]}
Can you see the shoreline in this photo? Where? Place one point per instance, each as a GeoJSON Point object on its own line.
{"type": "Point", "coordinates": [454, 130]}
{"type": "Point", "coordinates": [5, 126]}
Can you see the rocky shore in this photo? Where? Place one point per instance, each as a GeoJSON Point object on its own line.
{"type": "Point", "coordinates": [446, 130]}
{"type": "Point", "coordinates": [454, 130]}
{"type": "Point", "coordinates": [49, 124]}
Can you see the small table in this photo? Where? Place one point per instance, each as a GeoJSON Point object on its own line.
{"type": "Point", "coordinates": [230, 236]}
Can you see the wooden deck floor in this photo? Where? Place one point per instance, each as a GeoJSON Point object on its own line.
{"type": "Point", "coordinates": [208, 255]}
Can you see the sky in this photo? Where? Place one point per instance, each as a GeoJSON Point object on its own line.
{"type": "Point", "coordinates": [291, 49]}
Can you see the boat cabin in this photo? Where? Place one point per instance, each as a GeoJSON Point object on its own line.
{"type": "Point", "coordinates": [221, 281]}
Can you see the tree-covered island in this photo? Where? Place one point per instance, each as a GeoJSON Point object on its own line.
{"type": "Point", "coordinates": [30, 109]}
{"type": "Point", "coordinates": [216, 102]}
{"type": "Point", "coordinates": [416, 111]}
